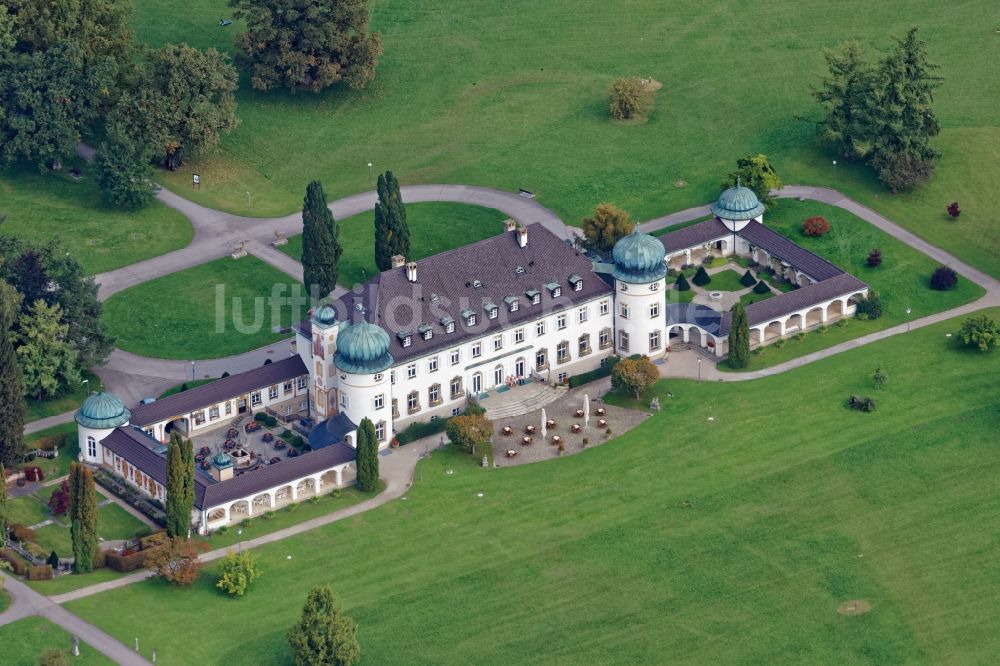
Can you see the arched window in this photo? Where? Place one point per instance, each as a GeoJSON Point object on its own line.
{"type": "Point", "coordinates": [91, 446]}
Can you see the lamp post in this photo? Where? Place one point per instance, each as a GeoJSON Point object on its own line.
{"type": "Point", "coordinates": [239, 534]}
{"type": "Point", "coordinates": [192, 370]}
{"type": "Point", "coordinates": [835, 165]}
{"type": "Point", "coordinates": [248, 200]}
{"type": "Point", "coordinates": [908, 311]}
{"type": "Point", "coordinates": [699, 368]}
{"type": "Point", "coordinates": [369, 173]}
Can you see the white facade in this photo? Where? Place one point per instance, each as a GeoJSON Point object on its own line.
{"type": "Point", "coordinates": [640, 317]}
{"type": "Point", "coordinates": [90, 443]}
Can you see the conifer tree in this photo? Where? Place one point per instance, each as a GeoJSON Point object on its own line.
{"type": "Point", "coordinates": [324, 636]}
{"type": "Point", "coordinates": [701, 277]}
{"type": "Point", "coordinates": [367, 456]}
{"type": "Point", "coordinates": [321, 247]}
{"type": "Point", "coordinates": [11, 396]}
{"type": "Point", "coordinates": [845, 94]}
{"type": "Point", "coordinates": [180, 485]}
{"type": "Point", "coordinates": [739, 338]}
{"type": "Point", "coordinates": [748, 280]}
{"type": "Point", "coordinates": [3, 506]}
{"type": "Point", "coordinates": [392, 234]}
{"type": "Point", "coordinates": [83, 517]}
{"type": "Point", "coordinates": [682, 283]}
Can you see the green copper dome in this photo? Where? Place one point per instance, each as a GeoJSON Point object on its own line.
{"type": "Point", "coordinates": [639, 257]}
{"type": "Point", "coordinates": [325, 316]}
{"type": "Point", "coordinates": [103, 411]}
{"type": "Point", "coordinates": [737, 203]}
{"type": "Point", "coordinates": [363, 348]}
{"type": "Point", "coordinates": [222, 460]}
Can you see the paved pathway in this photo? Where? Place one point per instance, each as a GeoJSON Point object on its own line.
{"type": "Point", "coordinates": [49, 422]}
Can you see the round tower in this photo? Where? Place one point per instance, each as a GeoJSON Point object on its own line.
{"type": "Point", "coordinates": [362, 364]}
{"type": "Point", "coordinates": [640, 300]}
{"type": "Point", "coordinates": [99, 414]}
{"type": "Point", "coordinates": [737, 207]}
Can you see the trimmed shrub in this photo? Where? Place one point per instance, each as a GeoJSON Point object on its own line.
{"type": "Point", "coordinates": [100, 560]}
{"type": "Point", "coordinates": [701, 278]}
{"type": "Point", "coordinates": [16, 563]}
{"type": "Point", "coordinates": [40, 572]}
{"type": "Point", "coordinates": [874, 259]}
{"type": "Point", "coordinates": [682, 283]}
{"type": "Point", "coordinates": [748, 280]}
{"type": "Point", "coordinates": [153, 540]}
{"type": "Point", "coordinates": [124, 563]}
{"type": "Point", "coordinates": [761, 288]}
{"type": "Point", "coordinates": [861, 403]}
{"type": "Point", "coordinates": [953, 210]}
{"type": "Point", "coordinates": [587, 377]}
{"type": "Point", "coordinates": [21, 533]}
{"type": "Point", "coordinates": [420, 429]}
{"type": "Point", "coordinates": [944, 279]}
{"type": "Point", "coordinates": [815, 226]}
{"type": "Point", "coordinates": [870, 306]}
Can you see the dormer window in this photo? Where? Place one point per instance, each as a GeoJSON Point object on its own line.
{"type": "Point", "coordinates": [434, 298]}
{"type": "Point", "coordinates": [469, 317]}
{"type": "Point", "coordinates": [476, 284]}
{"type": "Point", "coordinates": [448, 324]}
{"type": "Point", "coordinates": [534, 296]}
{"type": "Point", "coordinates": [491, 310]}
{"type": "Point", "coordinates": [405, 338]}
{"type": "Point", "coordinates": [554, 289]}
{"type": "Point", "coordinates": [426, 332]}
{"type": "Point", "coordinates": [512, 303]}
{"type": "Point", "coordinates": [359, 307]}
{"type": "Point", "coordinates": [519, 270]}
{"type": "Point", "coordinates": [577, 282]}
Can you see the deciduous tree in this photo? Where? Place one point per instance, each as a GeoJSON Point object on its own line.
{"type": "Point", "coordinates": [176, 560]}
{"type": "Point", "coordinates": [629, 98]}
{"type": "Point", "coordinates": [324, 636]}
{"type": "Point", "coordinates": [307, 45]}
{"type": "Point", "coordinates": [59, 501]}
{"type": "Point", "coordinates": [367, 456]}
{"type": "Point", "coordinates": [392, 233]}
{"type": "Point", "coordinates": [123, 171]}
{"type": "Point", "coordinates": [944, 278]}
{"type": "Point", "coordinates": [739, 338]}
{"type": "Point", "coordinates": [48, 364]}
{"type": "Point", "coordinates": [238, 572]}
{"type": "Point", "coordinates": [11, 392]}
{"type": "Point", "coordinates": [980, 333]}
{"type": "Point", "coordinates": [83, 517]}
{"type": "Point", "coordinates": [606, 227]}
{"type": "Point", "coordinates": [321, 249]}
{"type": "Point", "coordinates": [633, 376]}
{"type": "Point", "coordinates": [469, 431]}
{"type": "Point", "coordinates": [755, 172]}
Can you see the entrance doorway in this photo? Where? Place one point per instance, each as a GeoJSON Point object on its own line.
{"type": "Point", "coordinates": [477, 383]}
{"type": "Point", "coordinates": [498, 376]}
{"type": "Point", "coordinates": [519, 368]}
{"type": "Point", "coordinates": [242, 406]}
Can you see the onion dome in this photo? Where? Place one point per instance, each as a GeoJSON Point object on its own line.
{"type": "Point", "coordinates": [103, 411]}
{"type": "Point", "coordinates": [638, 257]}
{"type": "Point", "coordinates": [363, 348]}
{"type": "Point", "coordinates": [325, 316]}
{"type": "Point", "coordinates": [737, 204]}
{"type": "Point", "coordinates": [222, 460]}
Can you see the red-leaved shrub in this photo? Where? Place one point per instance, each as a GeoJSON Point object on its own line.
{"type": "Point", "coordinates": [815, 226]}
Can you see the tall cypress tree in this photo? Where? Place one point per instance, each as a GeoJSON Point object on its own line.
{"type": "Point", "coordinates": [321, 247]}
{"type": "Point", "coordinates": [739, 338]}
{"type": "Point", "coordinates": [11, 396]}
{"type": "Point", "coordinates": [83, 517]}
{"type": "Point", "coordinates": [367, 456]}
{"type": "Point", "coordinates": [3, 506]}
{"type": "Point", "coordinates": [392, 234]}
{"type": "Point", "coordinates": [180, 485]}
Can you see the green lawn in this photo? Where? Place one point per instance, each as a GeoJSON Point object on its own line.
{"type": "Point", "coordinates": [4, 599]}
{"type": "Point", "coordinates": [43, 207]}
{"type": "Point", "coordinates": [747, 299]}
{"type": "Point", "coordinates": [902, 279]}
{"type": "Point", "coordinates": [676, 296]}
{"type": "Point", "coordinates": [69, 449]}
{"type": "Point", "coordinates": [727, 280]}
{"type": "Point", "coordinates": [190, 385]}
{"type": "Point", "coordinates": [178, 316]}
{"type": "Point", "coordinates": [24, 642]}
{"type": "Point", "coordinates": [478, 97]}
{"type": "Point", "coordinates": [39, 409]}
{"type": "Point", "coordinates": [434, 228]}
{"type": "Point", "coordinates": [26, 510]}
{"type": "Point", "coordinates": [742, 536]}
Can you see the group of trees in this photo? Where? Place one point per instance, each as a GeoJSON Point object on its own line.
{"type": "Point", "coordinates": [881, 112]}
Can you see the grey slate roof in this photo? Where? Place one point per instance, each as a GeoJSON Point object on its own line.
{"type": "Point", "coordinates": [226, 388]}
{"type": "Point", "coordinates": [696, 234]}
{"type": "Point", "coordinates": [331, 431]}
{"type": "Point", "coordinates": [394, 303]}
{"type": "Point", "coordinates": [137, 448]}
{"type": "Point", "coordinates": [773, 308]}
{"type": "Point", "coordinates": [811, 264]}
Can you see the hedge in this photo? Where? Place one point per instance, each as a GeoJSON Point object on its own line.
{"type": "Point", "coordinates": [126, 563]}
{"type": "Point", "coordinates": [16, 563]}
{"type": "Point", "coordinates": [587, 377]}
{"type": "Point", "coordinates": [421, 429]}
{"type": "Point", "coordinates": [40, 572]}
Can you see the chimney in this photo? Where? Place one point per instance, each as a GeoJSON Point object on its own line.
{"type": "Point", "coordinates": [522, 236]}
{"type": "Point", "coordinates": [411, 271]}
{"type": "Point", "coordinates": [509, 225]}
{"type": "Point", "coordinates": [398, 261]}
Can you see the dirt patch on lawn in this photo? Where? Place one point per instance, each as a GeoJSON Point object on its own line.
{"type": "Point", "coordinates": [854, 607]}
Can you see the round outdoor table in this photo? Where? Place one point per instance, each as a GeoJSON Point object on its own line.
{"type": "Point", "coordinates": [600, 411]}
{"type": "Point", "coordinates": [576, 427]}
{"type": "Point", "coordinates": [556, 439]}
{"type": "Point", "coordinates": [507, 430]}
{"type": "Point", "coordinates": [530, 430]}
{"type": "Point", "coordinates": [526, 440]}
{"type": "Point", "coordinates": [550, 423]}
{"type": "Point", "coordinates": [602, 423]}
{"type": "Point", "coordinates": [579, 413]}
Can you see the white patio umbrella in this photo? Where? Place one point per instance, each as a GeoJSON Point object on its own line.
{"type": "Point", "coordinates": [543, 423]}
{"type": "Point", "coordinates": [586, 410]}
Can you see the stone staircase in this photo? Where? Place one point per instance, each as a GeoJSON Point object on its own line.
{"type": "Point", "coordinates": [521, 400]}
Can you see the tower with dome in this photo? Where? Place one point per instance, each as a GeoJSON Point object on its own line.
{"type": "Point", "coordinates": [640, 287]}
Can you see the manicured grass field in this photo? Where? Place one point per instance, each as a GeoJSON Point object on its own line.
{"type": "Point", "coordinates": [24, 642]}
{"type": "Point", "coordinates": [69, 449]}
{"type": "Point", "coordinates": [190, 385]}
{"type": "Point", "coordinates": [747, 299]}
{"type": "Point", "coordinates": [4, 600]}
{"type": "Point", "coordinates": [712, 541]}
{"type": "Point", "coordinates": [727, 280]}
{"type": "Point", "coordinates": [216, 309]}
{"type": "Point", "coordinates": [512, 94]}
{"type": "Point", "coordinates": [39, 409]}
{"type": "Point", "coordinates": [26, 510]}
{"type": "Point", "coordinates": [434, 228]}
{"type": "Point", "coordinates": [903, 278]}
{"type": "Point", "coordinates": [43, 207]}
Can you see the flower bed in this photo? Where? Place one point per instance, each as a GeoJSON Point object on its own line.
{"type": "Point", "coordinates": [115, 484]}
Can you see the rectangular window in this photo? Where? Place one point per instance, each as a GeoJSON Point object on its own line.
{"type": "Point", "coordinates": [540, 329]}
{"type": "Point", "coordinates": [654, 310]}
{"type": "Point", "coordinates": [380, 401]}
{"type": "Point", "coordinates": [229, 408]}
{"type": "Point", "coordinates": [449, 327]}
{"type": "Point", "coordinates": [432, 364]}
{"type": "Point", "coordinates": [497, 342]}
{"type": "Point", "coordinates": [455, 357]}
{"type": "Point", "coordinates": [561, 322]}
{"type": "Point", "coordinates": [604, 339]}
{"type": "Point", "coordinates": [623, 341]}
{"type": "Point", "coordinates": [562, 352]}
{"type": "Point", "coordinates": [582, 315]}
{"type": "Point", "coordinates": [434, 395]}
{"type": "Point", "coordinates": [199, 417]}
{"type": "Point", "coordinates": [536, 299]}
{"type": "Point", "coordinates": [428, 334]}
{"type": "Point", "coordinates": [456, 387]}
{"type": "Point", "coordinates": [213, 413]}
{"type": "Point", "coordinates": [303, 382]}
{"type": "Point", "coordinates": [471, 321]}
{"type": "Point", "coordinates": [655, 286]}
{"type": "Point", "coordinates": [255, 399]}
{"type": "Point", "coordinates": [413, 402]}
{"type": "Point", "coordinates": [584, 345]}
{"type": "Point", "coordinates": [380, 431]}
{"type": "Point", "coordinates": [493, 312]}
{"type": "Point", "coordinates": [456, 411]}
{"type": "Point", "coordinates": [604, 306]}
{"type": "Point", "coordinates": [654, 341]}
{"type": "Point", "coordinates": [513, 306]}
{"type": "Point", "coordinates": [477, 350]}
{"type": "Point", "coordinates": [92, 447]}
{"type": "Point", "coordinates": [344, 401]}
{"type": "Point", "coordinates": [519, 336]}
{"type": "Point", "coordinates": [287, 388]}
{"type": "Point", "coordinates": [407, 341]}
{"type": "Point", "coordinates": [562, 377]}
{"type": "Point", "coordinates": [392, 376]}
{"type": "Point", "coordinates": [272, 392]}
{"type": "Point", "coordinates": [411, 371]}
{"type": "Point", "coordinates": [541, 362]}
{"type": "Point", "coordinates": [623, 310]}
